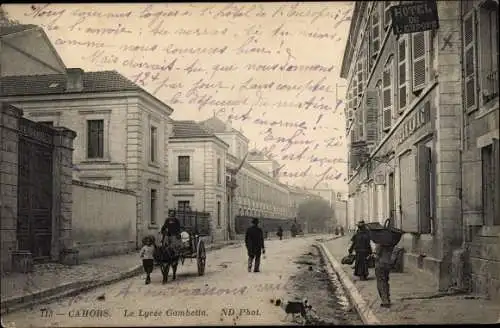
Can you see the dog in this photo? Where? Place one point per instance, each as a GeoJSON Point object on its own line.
{"type": "Point", "coordinates": [296, 308]}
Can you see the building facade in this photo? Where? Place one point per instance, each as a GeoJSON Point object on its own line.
{"type": "Point", "coordinates": [122, 132]}
{"type": "Point", "coordinates": [197, 170]}
{"type": "Point", "coordinates": [26, 50]}
{"type": "Point", "coordinates": [256, 192]}
{"type": "Point", "coordinates": [404, 112]}
{"type": "Point", "coordinates": [480, 143]}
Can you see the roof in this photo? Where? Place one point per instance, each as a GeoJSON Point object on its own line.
{"type": "Point", "coordinates": [189, 129]}
{"type": "Point", "coordinates": [11, 29]}
{"type": "Point", "coordinates": [216, 125]}
{"type": "Point", "coordinates": [256, 155]}
{"type": "Point", "coordinates": [103, 81]}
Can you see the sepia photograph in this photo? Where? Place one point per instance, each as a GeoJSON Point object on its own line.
{"type": "Point", "coordinates": [249, 163]}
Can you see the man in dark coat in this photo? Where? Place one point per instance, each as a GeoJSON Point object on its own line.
{"type": "Point", "coordinates": [383, 266]}
{"type": "Point", "coordinates": [361, 245]}
{"type": "Point", "coordinates": [254, 241]}
{"type": "Point", "coordinates": [280, 232]}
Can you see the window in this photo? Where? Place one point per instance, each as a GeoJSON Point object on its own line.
{"type": "Point", "coordinates": [360, 76]}
{"type": "Point", "coordinates": [425, 182]}
{"type": "Point", "coordinates": [375, 32]}
{"type": "Point", "coordinates": [387, 15]}
{"type": "Point", "coordinates": [380, 113]}
{"type": "Point", "coordinates": [371, 118]}
{"type": "Point", "coordinates": [420, 59]}
{"type": "Point", "coordinates": [219, 171]}
{"type": "Point", "coordinates": [218, 214]}
{"type": "Point", "coordinates": [183, 167]}
{"type": "Point", "coordinates": [488, 50]}
{"type": "Point", "coordinates": [387, 95]}
{"type": "Point", "coordinates": [95, 138]}
{"type": "Point", "coordinates": [153, 199]}
{"type": "Point", "coordinates": [490, 167]}
{"type": "Point", "coordinates": [183, 205]}
{"type": "Point", "coordinates": [469, 27]}
{"type": "Point", "coordinates": [153, 135]}
{"type": "Point", "coordinates": [402, 72]}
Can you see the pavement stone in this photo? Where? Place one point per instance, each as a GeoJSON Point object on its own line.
{"type": "Point", "coordinates": [414, 296]}
{"type": "Point", "coordinates": [49, 279]}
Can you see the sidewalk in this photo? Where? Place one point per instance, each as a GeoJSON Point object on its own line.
{"type": "Point", "coordinates": [414, 296]}
{"type": "Point", "coordinates": [53, 280]}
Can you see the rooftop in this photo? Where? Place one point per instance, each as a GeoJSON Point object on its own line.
{"type": "Point", "coordinates": [216, 125]}
{"type": "Point", "coordinates": [11, 29]}
{"type": "Point", "coordinates": [103, 81]}
{"type": "Point", "coordinates": [256, 155]}
{"type": "Point", "coordinates": [189, 129]}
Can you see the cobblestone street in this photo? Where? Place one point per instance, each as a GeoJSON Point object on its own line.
{"type": "Point", "coordinates": [190, 299]}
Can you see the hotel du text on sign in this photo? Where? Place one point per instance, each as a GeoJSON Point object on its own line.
{"type": "Point", "coordinates": [415, 17]}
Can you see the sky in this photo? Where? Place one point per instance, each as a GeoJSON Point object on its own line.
{"type": "Point", "coordinates": [270, 69]}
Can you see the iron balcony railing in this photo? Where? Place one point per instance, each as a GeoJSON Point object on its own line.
{"type": "Point", "coordinates": [489, 87]}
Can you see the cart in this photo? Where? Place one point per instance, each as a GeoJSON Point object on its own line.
{"type": "Point", "coordinates": [194, 226]}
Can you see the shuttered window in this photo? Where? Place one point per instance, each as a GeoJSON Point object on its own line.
{"type": "Point", "coordinates": [488, 51]}
{"type": "Point", "coordinates": [371, 112]}
{"type": "Point", "coordinates": [424, 181]}
{"type": "Point", "coordinates": [408, 194]}
{"type": "Point", "coordinates": [360, 77]}
{"type": "Point", "coordinates": [387, 95]}
{"type": "Point", "coordinates": [380, 113]}
{"type": "Point", "coordinates": [470, 54]}
{"type": "Point", "coordinates": [359, 124]}
{"type": "Point", "coordinates": [402, 73]}
{"type": "Point", "coordinates": [375, 32]}
{"type": "Point", "coordinates": [387, 15]}
{"type": "Point", "coordinates": [420, 60]}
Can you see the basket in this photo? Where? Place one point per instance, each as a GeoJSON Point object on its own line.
{"type": "Point", "coordinates": [349, 259]}
{"type": "Point", "coordinates": [386, 236]}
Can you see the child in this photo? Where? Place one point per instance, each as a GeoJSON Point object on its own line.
{"type": "Point", "coordinates": [146, 254]}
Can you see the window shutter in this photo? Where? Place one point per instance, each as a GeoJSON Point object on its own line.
{"type": "Point", "coordinates": [387, 14]}
{"type": "Point", "coordinates": [376, 37]}
{"type": "Point", "coordinates": [470, 60]}
{"type": "Point", "coordinates": [360, 76]}
{"type": "Point", "coordinates": [424, 168]}
{"type": "Point", "coordinates": [496, 184]}
{"type": "Point", "coordinates": [387, 98]}
{"type": "Point", "coordinates": [359, 124]}
{"type": "Point", "coordinates": [408, 192]}
{"type": "Point", "coordinates": [402, 72]}
{"type": "Point", "coordinates": [420, 60]}
{"type": "Point", "coordinates": [371, 108]}
{"type": "Point", "coordinates": [355, 92]}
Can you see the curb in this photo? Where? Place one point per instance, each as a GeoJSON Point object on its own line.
{"type": "Point", "coordinates": [74, 288]}
{"type": "Point", "coordinates": [364, 311]}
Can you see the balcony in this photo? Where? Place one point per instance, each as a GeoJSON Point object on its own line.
{"type": "Point", "coordinates": [489, 87]}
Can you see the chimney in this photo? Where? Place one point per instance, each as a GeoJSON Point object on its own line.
{"type": "Point", "coordinates": [74, 79]}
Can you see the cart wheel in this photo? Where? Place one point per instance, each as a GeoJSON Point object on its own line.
{"type": "Point", "coordinates": [201, 257]}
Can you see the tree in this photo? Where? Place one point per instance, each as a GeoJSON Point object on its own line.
{"type": "Point", "coordinates": [316, 213]}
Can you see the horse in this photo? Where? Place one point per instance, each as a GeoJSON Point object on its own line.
{"type": "Point", "coordinates": [167, 256]}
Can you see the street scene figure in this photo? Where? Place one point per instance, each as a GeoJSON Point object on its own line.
{"type": "Point", "coordinates": [293, 230]}
{"type": "Point", "coordinates": [146, 254]}
{"type": "Point", "coordinates": [254, 241]}
{"type": "Point", "coordinates": [171, 232]}
{"type": "Point", "coordinates": [337, 231]}
{"type": "Point", "coordinates": [360, 244]}
{"type": "Point", "coordinates": [280, 232]}
{"type": "Point", "coordinates": [341, 231]}
{"type": "Point", "coordinates": [383, 266]}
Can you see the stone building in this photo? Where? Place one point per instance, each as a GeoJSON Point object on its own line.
{"type": "Point", "coordinates": [404, 106]}
{"type": "Point", "coordinates": [480, 143]}
{"type": "Point", "coordinates": [197, 171]}
{"type": "Point", "coordinates": [256, 193]}
{"type": "Point", "coordinates": [122, 132]}
{"type": "Point", "coordinates": [36, 191]}
{"type": "Point", "coordinates": [26, 50]}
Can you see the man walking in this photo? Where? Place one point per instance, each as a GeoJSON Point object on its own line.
{"type": "Point", "coordinates": [254, 241]}
{"type": "Point", "coordinates": [383, 265]}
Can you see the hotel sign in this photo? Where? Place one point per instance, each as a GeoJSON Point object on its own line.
{"type": "Point", "coordinates": [415, 17]}
{"type": "Point", "coordinates": [416, 120]}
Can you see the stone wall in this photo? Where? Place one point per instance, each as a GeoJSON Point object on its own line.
{"type": "Point", "coordinates": [104, 220]}
{"type": "Point", "coordinates": [62, 143]}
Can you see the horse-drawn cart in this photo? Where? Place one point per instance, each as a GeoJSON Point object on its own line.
{"type": "Point", "coordinates": [194, 226]}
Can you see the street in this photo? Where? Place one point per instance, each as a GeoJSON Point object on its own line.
{"type": "Point", "coordinates": [226, 295]}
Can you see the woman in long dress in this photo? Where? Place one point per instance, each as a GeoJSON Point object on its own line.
{"type": "Point", "coordinates": [362, 248]}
